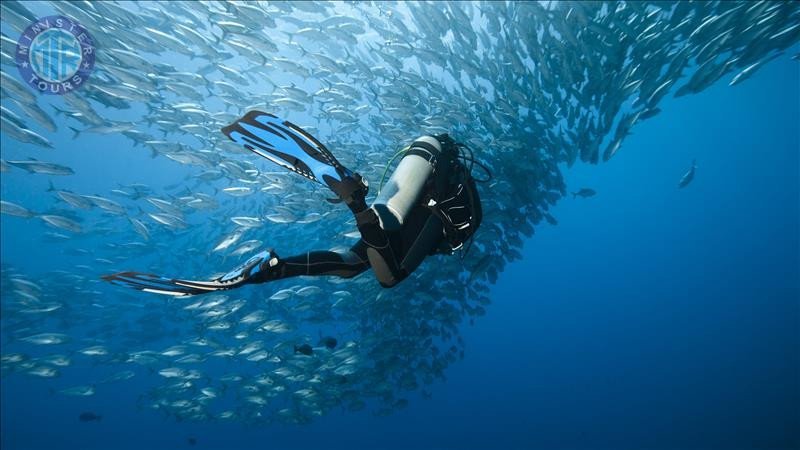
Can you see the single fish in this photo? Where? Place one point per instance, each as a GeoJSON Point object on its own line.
{"type": "Point", "coordinates": [80, 391]}
{"type": "Point", "coordinates": [97, 350]}
{"type": "Point", "coordinates": [584, 192]}
{"type": "Point", "coordinates": [228, 241]}
{"type": "Point", "coordinates": [57, 360]}
{"type": "Point", "coordinates": [46, 339]}
{"type": "Point", "coordinates": [88, 416]}
{"type": "Point", "coordinates": [688, 176]}
{"type": "Point", "coordinates": [106, 204]}
{"type": "Point", "coordinates": [329, 342]}
{"type": "Point", "coordinates": [119, 376]}
{"type": "Point", "coordinates": [34, 166]}
{"type": "Point", "coordinates": [168, 220]}
{"type": "Point", "coordinates": [12, 209]}
{"type": "Point", "coordinates": [43, 371]}
{"type": "Point", "coordinates": [246, 247]}
{"type": "Point", "coordinates": [238, 191]}
{"type": "Point", "coordinates": [247, 222]}
{"type": "Point", "coordinates": [21, 134]}
{"type": "Point", "coordinates": [304, 349]}
{"type": "Point", "coordinates": [140, 228]}
{"type": "Point", "coordinates": [61, 222]}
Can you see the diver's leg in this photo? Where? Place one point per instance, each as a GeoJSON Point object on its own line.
{"type": "Point", "coordinates": [352, 190]}
{"type": "Point", "coordinates": [260, 268]}
{"type": "Point", "coordinates": [380, 253]}
{"type": "Point", "coordinates": [342, 264]}
{"type": "Point", "coordinates": [408, 181]}
{"type": "Point", "coordinates": [261, 262]}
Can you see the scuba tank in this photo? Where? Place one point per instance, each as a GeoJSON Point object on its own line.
{"type": "Point", "coordinates": [407, 183]}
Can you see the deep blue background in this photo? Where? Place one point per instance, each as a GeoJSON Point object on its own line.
{"type": "Point", "coordinates": [649, 317]}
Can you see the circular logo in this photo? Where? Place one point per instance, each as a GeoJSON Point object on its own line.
{"type": "Point", "coordinates": [55, 55]}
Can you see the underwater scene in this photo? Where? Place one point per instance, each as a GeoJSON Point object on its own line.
{"type": "Point", "coordinates": [400, 225]}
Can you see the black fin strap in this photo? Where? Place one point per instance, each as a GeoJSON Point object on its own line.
{"type": "Point", "coordinates": [351, 190]}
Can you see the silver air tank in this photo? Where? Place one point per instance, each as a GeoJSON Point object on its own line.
{"type": "Point", "coordinates": [404, 187]}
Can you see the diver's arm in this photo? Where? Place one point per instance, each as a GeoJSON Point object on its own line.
{"type": "Point", "coordinates": [385, 223]}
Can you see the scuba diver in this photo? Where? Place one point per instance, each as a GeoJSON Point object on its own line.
{"type": "Point", "coordinates": [429, 205]}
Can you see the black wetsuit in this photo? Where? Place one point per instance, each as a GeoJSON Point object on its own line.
{"type": "Point", "coordinates": [426, 229]}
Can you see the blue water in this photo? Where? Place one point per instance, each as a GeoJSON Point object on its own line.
{"type": "Point", "coordinates": [649, 317]}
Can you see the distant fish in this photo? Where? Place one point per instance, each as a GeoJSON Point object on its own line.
{"type": "Point", "coordinates": [95, 350]}
{"type": "Point", "coordinates": [43, 371]}
{"type": "Point", "coordinates": [74, 200]}
{"type": "Point", "coordinates": [247, 222]}
{"type": "Point", "coordinates": [57, 360]}
{"type": "Point", "coordinates": [89, 416]}
{"type": "Point", "coordinates": [238, 191]}
{"type": "Point", "coordinates": [140, 228]}
{"type": "Point", "coordinates": [61, 222]}
{"type": "Point", "coordinates": [688, 176]}
{"type": "Point", "coordinates": [228, 241]}
{"type": "Point", "coordinates": [105, 204]}
{"type": "Point", "coordinates": [12, 209]}
{"type": "Point", "coordinates": [34, 166]}
{"type": "Point", "coordinates": [329, 342]}
{"type": "Point", "coordinates": [46, 339]}
{"type": "Point", "coordinates": [104, 129]}
{"type": "Point", "coordinates": [79, 391]}
{"type": "Point", "coordinates": [748, 71]}
{"type": "Point", "coordinates": [22, 134]}
{"type": "Point", "coordinates": [304, 349]}
{"type": "Point", "coordinates": [168, 220]}
{"type": "Point", "coordinates": [309, 290]}
{"type": "Point", "coordinates": [246, 247]}
{"type": "Point", "coordinates": [584, 192]}
{"type": "Point", "coordinates": [119, 376]}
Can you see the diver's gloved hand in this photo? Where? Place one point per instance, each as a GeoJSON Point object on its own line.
{"type": "Point", "coordinates": [255, 270]}
{"type": "Point", "coordinates": [351, 189]}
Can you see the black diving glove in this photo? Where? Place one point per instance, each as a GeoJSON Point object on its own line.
{"type": "Point", "coordinates": [352, 190]}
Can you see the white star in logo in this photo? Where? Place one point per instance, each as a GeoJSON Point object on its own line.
{"type": "Point", "coordinates": [86, 65]}
{"type": "Point", "coordinates": [24, 64]}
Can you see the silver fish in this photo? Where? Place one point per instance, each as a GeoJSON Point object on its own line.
{"type": "Point", "coordinates": [238, 191]}
{"type": "Point", "coordinates": [34, 166]}
{"type": "Point", "coordinates": [168, 220]}
{"type": "Point", "coordinates": [61, 222]}
{"type": "Point", "coordinates": [247, 222]}
{"type": "Point", "coordinates": [13, 209]}
{"type": "Point", "coordinates": [46, 339]}
{"type": "Point", "coordinates": [227, 241]}
{"type": "Point", "coordinates": [688, 176]}
{"type": "Point", "coordinates": [14, 131]}
{"type": "Point", "coordinates": [80, 391]}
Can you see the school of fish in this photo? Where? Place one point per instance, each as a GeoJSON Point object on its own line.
{"type": "Point", "coordinates": [531, 87]}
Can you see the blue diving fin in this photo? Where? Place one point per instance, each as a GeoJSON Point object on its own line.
{"type": "Point", "coordinates": [287, 145]}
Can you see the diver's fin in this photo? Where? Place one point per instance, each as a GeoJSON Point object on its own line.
{"type": "Point", "coordinates": [241, 275]}
{"type": "Point", "coordinates": [287, 145]}
{"type": "Point", "coordinates": [148, 282]}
